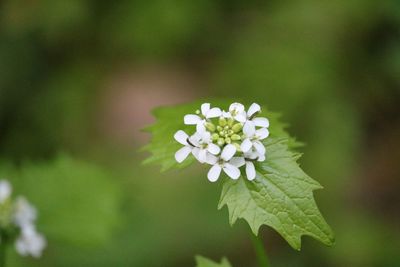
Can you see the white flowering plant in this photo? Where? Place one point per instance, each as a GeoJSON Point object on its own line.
{"type": "Point", "coordinates": [17, 225]}
{"type": "Point", "coordinates": [263, 183]}
{"type": "Point", "coordinates": [225, 140]}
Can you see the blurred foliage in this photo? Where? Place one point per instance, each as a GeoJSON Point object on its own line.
{"type": "Point", "coordinates": [78, 203]}
{"type": "Point", "coordinates": [331, 68]}
{"type": "Point", "coordinates": [204, 262]}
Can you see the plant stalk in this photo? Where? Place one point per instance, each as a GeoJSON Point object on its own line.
{"type": "Point", "coordinates": [3, 250]}
{"type": "Point", "coordinates": [261, 254]}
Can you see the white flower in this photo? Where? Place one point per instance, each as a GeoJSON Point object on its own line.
{"type": "Point", "coordinates": [237, 112]}
{"type": "Point", "coordinates": [228, 143]}
{"type": "Point", "coordinates": [5, 190]}
{"type": "Point", "coordinates": [253, 138]}
{"type": "Point", "coordinates": [227, 163]}
{"type": "Point", "coordinates": [206, 113]}
{"type": "Point", "coordinates": [247, 161]}
{"type": "Point", "coordinates": [24, 212]}
{"type": "Point", "coordinates": [257, 121]}
{"type": "Point", "coordinates": [183, 153]}
{"type": "Point", "coordinates": [199, 144]}
{"type": "Point", "coordinates": [204, 146]}
{"type": "Point", "coordinates": [30, 242]}
{"type": "Point", "coordinates": [250, 157]}
{"type": "Point", "coordinates": [21, 215]}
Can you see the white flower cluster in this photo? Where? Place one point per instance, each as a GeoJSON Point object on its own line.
{"type": "Point", "coordinates": [17, 222]}
{"type": "Point", "coordinates": [227, 140]}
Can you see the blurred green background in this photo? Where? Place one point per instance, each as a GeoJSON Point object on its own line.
{"type": "Point", "coordinates": [78, 79]}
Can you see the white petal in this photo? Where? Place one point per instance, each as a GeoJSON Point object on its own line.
{"type": "Point", "coordinates": [254, 108]}
{"type": "Point", "coordinates": [200, 127]}
{"type": "Point", "coordinates": [181, 137]}
{"type": "Point", "coordinates": [251, 155]}
{"type": "Point", "coordinates": [202, 155]}
{"type": "Point", "coordinates": [196, 152]}
{"type": "Point", "coordinates": [195, 139]}
{"type": "Point", "coordinates": [24, 213]}
{"type": "Point", "coordinates": [249, 129]}
{"type": "Point", "coordinates": [205, 137]}
{"type": "Point", "coordinates": [232, 171]}
{"type": "Point", "coordinates": [241, 117]}
{"type": "Point", "coordinates": [182, 153]}
{"type": "Point", "coordinates": [261, 158]}
{"type": "Point", "coordinates": [250, 170]}
{"type": "Point", "coordinates": [228, 152]}
{"type": "Point", "coordinates": [211, 159]}
{"type": "Point", "coordinates": [30, 242]}
{"type": "Point", "coordinates": [226, 115]}
{"type": "Point", "coordinates": [261, 122]}
{"type": "Point", "coordinates": [214, 173]}
{"type": "Point", "coordinates": [259, 147]}
{"type": "Point", "coordinates": [205, 108]}
{"type": "Point", "coordinates": [246, 145]}
{"type": "Point", "coordinates": [237, 161]}
{"type": "Point", "coordinates": [213, 149]}
{"type": "Point", "coordinates": [262, 133]}
{"type": "Point", "coordinates": [191, 119]}
{"type": "Point", "coordinates": [236, 107]}
{"type": "Point", "coordinates": [214, 113]}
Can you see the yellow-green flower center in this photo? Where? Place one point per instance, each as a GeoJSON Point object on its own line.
{"type": "Point", "coordinates": [227, 131]}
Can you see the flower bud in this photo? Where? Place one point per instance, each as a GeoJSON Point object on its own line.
{"type": "Point", "coordinates": [222, 121]}
{"type": "Point", "coordinates": [230, 122]}
{"type": "Point", "coordinates": [237, 127]}
{"type": "Point", "coordinates": [214, 137]}
{"type": "Point", "coordinates": [221, 141]}
{"type": "Point", "coordinates": [219, 128]}
{"type": "Point", "coordinates": [228, 140]}
{"type": "Point", "coordinates": [235, 137]}
{"type": "Point", "coordinates": [210, 126]}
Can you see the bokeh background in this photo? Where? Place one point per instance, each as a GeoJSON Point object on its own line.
{"type": "Point", "coordinates": [79, 78]}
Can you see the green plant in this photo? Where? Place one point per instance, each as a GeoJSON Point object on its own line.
{"type": "Point", "coordinates": [279, 194]}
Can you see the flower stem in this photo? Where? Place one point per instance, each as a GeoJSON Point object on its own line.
{"type": "Point", "coordinates": [258, 244]}
{"type": "Point", "coordinates": [3, 250]}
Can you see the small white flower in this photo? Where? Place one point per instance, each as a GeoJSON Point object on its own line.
{"type": "Point", "coordinates": [204, 146]}
{"type": "Point", "coordinates": [253, 138]}
{"type": "Point", "coordinates": [21, 215]}
{"type": "Point", "coordinates": [24, 212]}
{"type": "Point", "coordinates": [206, 113]}
{"type": "Point", "coordinates": [254, 155]}
{"type": "Point", "coordinates": [257, 121]}
{"type": "Point", "coordinates": [30, 242]}
{"type": "Point", "coordinates": [236, 111]}
{"type": "Point", "coordinates": [5, 190]}
{"type": "Point", "coordinates": [227, 163]}
{"type": "Point", "coordinates": [248, 162]}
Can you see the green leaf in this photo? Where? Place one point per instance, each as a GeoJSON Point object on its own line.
{"type": "Point", "coordinates": [204, 262]}
{"type": "Point", "coordinates": [281, 196]}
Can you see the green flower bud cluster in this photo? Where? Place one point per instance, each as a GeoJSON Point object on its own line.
{"type": "Point", "coordinates": [225, 131]}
